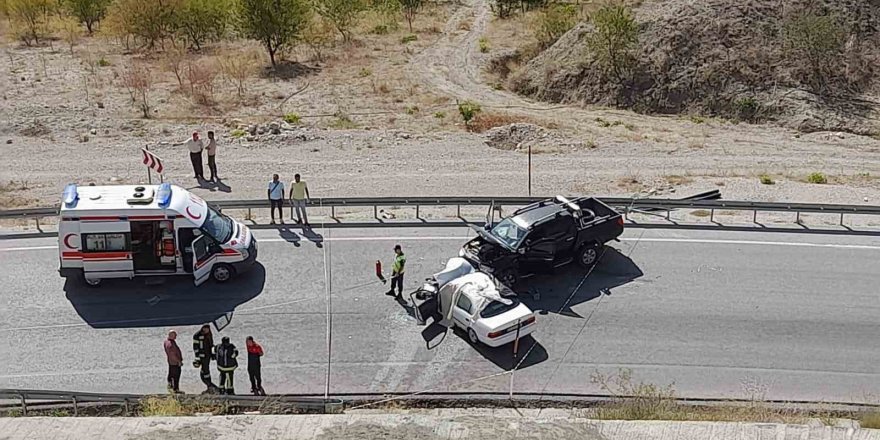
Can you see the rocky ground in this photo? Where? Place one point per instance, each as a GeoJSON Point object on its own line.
{"type": "Point", "coordinates": [385, 123]}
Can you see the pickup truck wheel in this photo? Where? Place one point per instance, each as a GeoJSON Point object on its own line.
{"type": "Point", "coordinates": [92, 282]}
{"type": "Point", "coordinates": [589, 255]}
{"type": "Point", "coordinates": [472, 336]}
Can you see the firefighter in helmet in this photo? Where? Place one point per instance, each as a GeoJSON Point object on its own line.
{"type": "Point", "coordinates": [227, 362]}
{"type": "Point", "coordinates": [203, 345]}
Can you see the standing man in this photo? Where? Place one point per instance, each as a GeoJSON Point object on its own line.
{"type": "Point", "coordinates": [195, 147]}
{"type": "Point", "coordinates": [255, 352]}
{"type": "Point", "coordinates": [397, 269]}
{"type": "Point", "coordinates": [276, 198]}
{"type": "Point", "coordinates": [299, 195]}
{"type": "Point", "coordinates": [203, 345]}
{"type": "Point", "coordinates": [211, 149]}
{"type": "Point", "coordinates": [227, 362]}
{"type": "Point", "coordinates": [175, 361]}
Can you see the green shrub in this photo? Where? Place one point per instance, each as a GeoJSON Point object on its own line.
{"type": "Point", "coordinates": [870, 420]}
{"type": "Point", "coordinates": [277, 24]}
{"type": "Point", "coordinates": [343, 14]}
{"type": "Point", "coordinates": [766, 179]}
{"type": "Point", "coordinates": [380, 29]}
{"type": "Point", "coordinates": [87, 12]}
{"type": "Point", "coordinates": [439, 115]}
{"type": "Point", "coordinates": [815, 45]}
{"type": "Point", "coordinates": [200, 21]}
{"type": "Point", "coordinates": [343, 122]}
{"type": "Point", "coordinates": [238, 133]}
{"type": "Point", "coordinates": [103, 62]}
{"type": "Point", "coordinates": [292, 118]}
{"type": "Point", "coordinates": [484, 45]}
{"type": "Point", "coordinates": [408, 39]}
{"type": "Point", "coordinates": [747, 108]}
{"type": "Point", "coordinates": [553, 22]}
{"type": "Point", "coordinates": [614, 40]}
{"type": "Point", "coordinates": [817, 178]}
{"type": "Point", "coordinates": [468, 110]}
{"type": "Point", "coordinates": [411, 110]}
{"type": "Point", "coordinates": [365, 72]}
{"type": "Point", "coordinates": [698, 119]}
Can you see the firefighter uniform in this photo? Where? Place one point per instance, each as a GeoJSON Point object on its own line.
{"type": "Point", "coordinates": [227, 362]}
{"type": "Point", "coordinates": [203, 343]}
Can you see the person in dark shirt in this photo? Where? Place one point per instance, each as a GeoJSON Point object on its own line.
{"type": "Point", "coordinates": [255, 352]}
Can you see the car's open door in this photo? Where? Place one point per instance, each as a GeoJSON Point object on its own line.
{"type": "Point", "coordinates": [202, 259]}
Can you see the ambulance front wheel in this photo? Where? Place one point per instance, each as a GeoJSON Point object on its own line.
{"type": "Point", "coordinates": [222, 272]}
{"type": "Point", "coordinates": [92, 282]}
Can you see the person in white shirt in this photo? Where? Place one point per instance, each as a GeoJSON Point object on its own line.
{"type": "Point", "coordinates": [276, 198]}
{"type": "Point", "coordinates": [211, 149]}
{"type": "Point", "coordinates": [195, 147]}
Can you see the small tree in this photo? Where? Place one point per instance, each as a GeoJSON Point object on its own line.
{"type": "Point", "coordinates": [276, 24]}
{"type": "Point", "coordinates": [410, 9]}
{"type": "Point", "coordinates": [614, 40]}
{"type": "Point", "coordinates": [237, 68]}
{"type": "Point", "coordinates": [554, 21]}
{"type": "Point", "coordinates": [343, 14]}
{"type": "Point", "coordinates": [468, 110]}
{"type": "Point", "coordinates": [137, 80]}
{"type": "Point", "coordinates": [201, 21]}
{"type": "Point", "coordinates": [149, 22]}
{"type": "Point", "coordinates": [505, 8]}
{"type": "Point", "coordinates": [318, 35]}
{"type": "Point", "coordinates": [67, 28]}
{"type": "Point", "coordinates": [815, 45]}
{"type": "Point", "coordinates": [30, 19]}
{"type": "Point", "coordinates": [87, 12]}
{"type": "Point", "coordinates": [173, 60]}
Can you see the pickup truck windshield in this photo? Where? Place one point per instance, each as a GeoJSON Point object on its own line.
{"type": "Point", "coordinates": [218, 226]}
{"type": "Point", "coordinates": [509, 233]}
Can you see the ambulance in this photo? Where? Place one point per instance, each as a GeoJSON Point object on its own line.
{"type": "Point", "coordinates": [148, 230]}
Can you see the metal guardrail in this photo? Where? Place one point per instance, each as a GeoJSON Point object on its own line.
{"type": "Point", "coordinates": [626, 205]}
{"type": "Point", "coordinates": [126, 400]}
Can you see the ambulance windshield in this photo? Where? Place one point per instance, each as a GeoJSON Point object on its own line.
{"type": "Point", "coordinates": [218, 226]}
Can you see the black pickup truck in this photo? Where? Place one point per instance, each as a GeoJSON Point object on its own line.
{"type": "Point", "coordinates": [543, 236]}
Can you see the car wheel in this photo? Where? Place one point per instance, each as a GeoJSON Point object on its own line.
{"type": "Point", "coordinates": [508, 278]}
{"type": "Point", "coordinates": [589, 255]}
{"type": "Point", "coordinates": [222, 273]}
{"type": "Point", "coordinates": [472, 336]}
{"type": "Point", "coordinates": [92, 282]}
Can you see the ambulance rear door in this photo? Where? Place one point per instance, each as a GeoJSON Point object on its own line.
{"type": "Point", "coordinates": [106, 248]}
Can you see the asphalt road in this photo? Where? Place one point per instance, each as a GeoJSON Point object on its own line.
{"type": "Point", "coordinates": [719, 314]}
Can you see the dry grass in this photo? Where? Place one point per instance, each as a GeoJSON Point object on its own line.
{"type": "Point", "coordinates": [10, 197]}
{"type": "Point", "coordinates": [631, 182]}
{"type": "Point", "coordinates": [675, 179]}
{"type": "Point", "coordinates": [870, 420]}
{"type": "Point", "coordinates": [702, 213]}
{"type": "Point", "coordinates": [488, 120]}
{"type": "Point", "coordinates": [170, 406]}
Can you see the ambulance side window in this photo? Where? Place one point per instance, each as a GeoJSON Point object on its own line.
{"type": "Point", "coordinates": [106, 242]}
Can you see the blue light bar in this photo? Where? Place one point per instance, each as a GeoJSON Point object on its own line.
{"type": "Point", "coordinates": [69, 196]}
{"type": "Point", "coordinates": [164, 195]}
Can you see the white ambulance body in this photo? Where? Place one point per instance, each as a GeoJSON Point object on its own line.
{"type": "Point", "coordinates": [148, 230]}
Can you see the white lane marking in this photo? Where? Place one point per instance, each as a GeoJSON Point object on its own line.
{"type": "Point", "coordinates": [751, 242]}
{"type": "Point", "coordinates": [655, 240]}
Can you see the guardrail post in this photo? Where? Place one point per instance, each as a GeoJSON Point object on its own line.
{"type": "Point", "coordinates": [23, 404]}
{"type": "Point", "coordinates": [375, 212]}
{"type": "Point", "coordinates": [458, 210]}
{"type": "Point", "coordinates": [333, 212]}
{"type": "Point", "coordinates": [798, 220]}
{"type": "Point", "coordinates": [668, 211]}
{"type": "Point", "coordinates": [417, 213]}
{"type": "Point", "coordinates": [249, 217]}
{"type": "Point", "coordinates": [75, 409]}
{"type": "Point", "coordinates": [125, 405]}
{"type": "Point", "coordinates": [755, 216]}
{"type": "Point", "coordinates": [841, 219]}
{"type": "Point", "coordinates": [38, 223]}
{"type": "Point", "coordinates": [712, 215]}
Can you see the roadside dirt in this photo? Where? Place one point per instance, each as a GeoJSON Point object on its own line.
{"type": "Point", "coordinates": [50, 135]}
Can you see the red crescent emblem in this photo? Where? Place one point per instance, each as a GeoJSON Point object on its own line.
{"type": "Point", "coordinates": [191, 215]}
{"type": "Point", "coordinates": [66, 242]}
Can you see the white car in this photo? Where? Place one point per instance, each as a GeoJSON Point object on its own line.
{"type": "Point", "coordinates": [471, 301]}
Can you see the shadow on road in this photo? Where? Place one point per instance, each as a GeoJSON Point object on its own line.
{"type": "Point", "coordinates": [549, 293]}
{"type": "Point", "coordinates": [155, 302]}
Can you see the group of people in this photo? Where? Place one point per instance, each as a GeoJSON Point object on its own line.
{"type": "Point", "coordinates": [225, 354]}
{"type": "Point", "coordinates": [196, 146]}
{"type": "Point", "coordinates": [299, 195]}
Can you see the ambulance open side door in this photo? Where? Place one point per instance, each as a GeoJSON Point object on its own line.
{"type": "Point", "coordinates": [203, 259]}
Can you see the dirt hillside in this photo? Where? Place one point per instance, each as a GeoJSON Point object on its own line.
{"type": "Point", "coordinates": [728, 58]}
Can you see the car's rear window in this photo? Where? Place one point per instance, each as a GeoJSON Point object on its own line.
{"type": "Point", "coordinates": [496, 308]}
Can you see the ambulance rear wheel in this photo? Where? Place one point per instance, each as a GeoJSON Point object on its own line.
{"type": "Point", "coordinates": [222, 272]}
